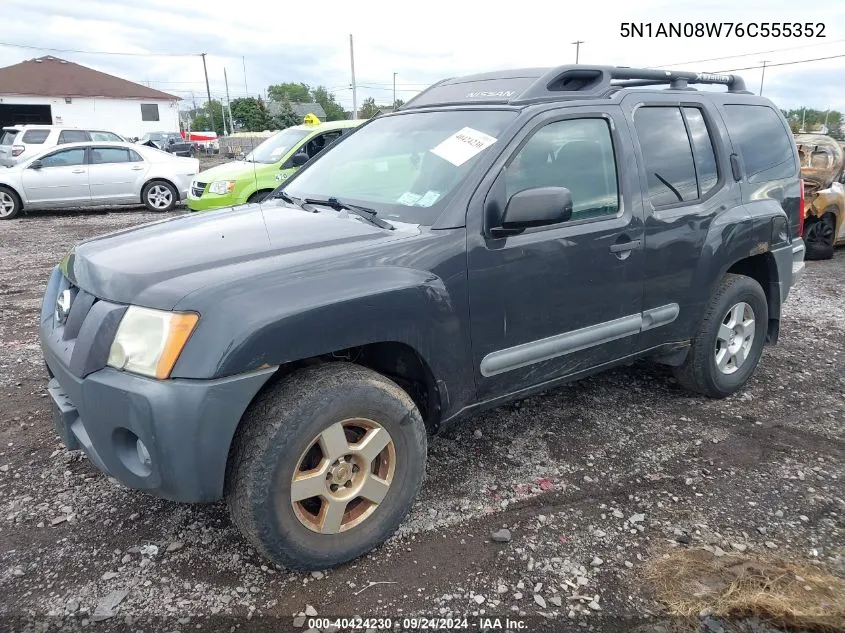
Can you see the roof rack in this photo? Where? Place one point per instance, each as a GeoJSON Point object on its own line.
{"type": "Point", "coordinates": [601, 81]}
{"type": "Point", "coordinates": [572, 81]}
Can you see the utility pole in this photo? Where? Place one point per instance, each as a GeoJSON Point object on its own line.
{"type": "Point", "coordinates": [577, 48]}
{"type": "Point", "coordinates": [354, 87]}
{"type": "Point", "coordinates": [394, 90]}
{"type": "Point", "coordinates": [228, 103]}
{"type": "Point", "coordinates": [208, 92]}
{"type": "Point", "coordinates": [246, 89]}
{"type": "Point", "coordinates": [763, 75]}
{"type": "Point", "coordinates": [803, 119]}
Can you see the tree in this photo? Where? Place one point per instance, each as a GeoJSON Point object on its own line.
{"type": "Point", "coordinates": [287, 117]}
{"type": "Point", "coordinates": [333, 110]}
{"type": "Point", "coordinates": [202, 121]}
{"type": "Point", "coordinates": [251, 114]}
{"type": "Point", "coordinates": [398, 104]}
{"type": "Point", "coordinates": [368, 108]}
{"type": "Point", "coordinates": [813, 120]}
{"type": "Point", "coordinates": [291, 91]}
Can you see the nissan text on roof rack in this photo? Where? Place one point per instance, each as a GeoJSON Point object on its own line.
{"type": "Point", "coordinates": [498, 235]}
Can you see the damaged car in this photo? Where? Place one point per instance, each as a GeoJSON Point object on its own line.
{"type": "Point", "coordinates": [822, 159]}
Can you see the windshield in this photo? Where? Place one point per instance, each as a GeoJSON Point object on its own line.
{"type": "Point", "coordinates": [272, 150]}
{"type": "Point", "coordinates": [404, 166]}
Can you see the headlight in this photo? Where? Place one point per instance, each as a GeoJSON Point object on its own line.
{"type": "Point", "coordinates": [149, 341]}
{"type": "Point", "coordinates": [222, 186]}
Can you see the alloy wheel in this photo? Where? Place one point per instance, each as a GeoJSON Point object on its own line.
{"type": "Point", "coordinates": [343, 476]}
{"type": "Point", "coordinates": [735, 338]}
{"type": "Point", "coordinates": [159, 197]}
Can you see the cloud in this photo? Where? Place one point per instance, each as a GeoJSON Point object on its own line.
{"type": "Point", "coordinates": [309, 42]}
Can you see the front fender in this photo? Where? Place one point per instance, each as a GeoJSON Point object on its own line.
{"type": "Point", "coordinates": [307, 316]}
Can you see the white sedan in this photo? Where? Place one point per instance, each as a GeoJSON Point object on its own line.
{"type": "Point", "coordinates": [87, 174]}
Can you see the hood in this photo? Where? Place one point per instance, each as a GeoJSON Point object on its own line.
{"type": "Point", "coordinates": [157, 264]}
{"type": "Point", "coordinates": [235, 170]}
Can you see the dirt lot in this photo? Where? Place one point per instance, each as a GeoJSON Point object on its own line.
{"type": "Point", "coordinates": [593, 481]}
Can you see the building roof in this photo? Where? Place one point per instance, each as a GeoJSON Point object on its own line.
{"type": "Point", "coordinates": [53, 77]}
{"type": "Point", "coordinates": [300, 109]}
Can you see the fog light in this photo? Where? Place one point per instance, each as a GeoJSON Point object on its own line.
{"type": "Point", "coordinates": [143, 454]}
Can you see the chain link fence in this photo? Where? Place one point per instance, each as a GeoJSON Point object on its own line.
{"type": "Point", "coordinates": [234, 146]}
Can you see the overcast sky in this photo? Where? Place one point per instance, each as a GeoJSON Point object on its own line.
{"type": "Point", "coordinates": [309, 42]}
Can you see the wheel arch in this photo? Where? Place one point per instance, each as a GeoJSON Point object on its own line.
{"type": "Point", "coordinates": [15, 191]}
{"type": "Point", "coordinates": [763, 269]}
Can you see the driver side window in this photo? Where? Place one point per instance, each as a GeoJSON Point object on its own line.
{"type": "Point", "coordinates": [65, 158]}
{"type": "Point", "coordinates": [576, 154]}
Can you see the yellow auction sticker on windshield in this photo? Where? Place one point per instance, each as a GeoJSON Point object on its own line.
{"type": "Point", "coordinates": [463, 145]}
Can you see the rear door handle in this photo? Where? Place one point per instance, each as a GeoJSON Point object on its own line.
{"type": "Point", "coordinates": [137, 168]}
{"type": "Point", "coordinates": [625, 246]}
{"type": "Point", "coordinates": [78, 171]}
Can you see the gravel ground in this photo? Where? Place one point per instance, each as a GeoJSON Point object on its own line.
{"type": "Point", "coordinates": [543, 511]}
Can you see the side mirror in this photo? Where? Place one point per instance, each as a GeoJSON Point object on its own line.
{"type": "Point", "coordinates": [299, 159]}
{"type": "Point", "coordinates": [540, 206]}
{"type": "Point", "coordinates": [36, 164]}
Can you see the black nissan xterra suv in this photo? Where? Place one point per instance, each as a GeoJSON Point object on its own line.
{"type": "Point", "coordinates": [499, 235]}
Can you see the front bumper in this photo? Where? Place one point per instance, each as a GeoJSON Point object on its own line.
{"type": "Point", "coordinates": [170, 438]}
{"type": "Point", "coordinates": [185, 427]}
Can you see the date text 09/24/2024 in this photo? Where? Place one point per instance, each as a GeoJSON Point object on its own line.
{"type": "Point", "coordinates": [723, 29]}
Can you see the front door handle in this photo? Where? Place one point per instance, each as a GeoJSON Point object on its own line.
{"type": "Point", "coordinates": [78, 171]}
{"type": "Point", "coordinates": [622, 247]}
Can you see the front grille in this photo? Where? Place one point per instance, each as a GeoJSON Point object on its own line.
{"type": "Point", "coordinates": [198, 188]}
{"type": "Point", "coordinates": [80, 338]}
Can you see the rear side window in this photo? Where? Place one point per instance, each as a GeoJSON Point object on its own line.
{"type": "Point", "coordinates": [8, 137]}
{"type": "Point", "coordinates": [764, 144]}
{"type": "Point", "coordinates": [670, 170]}
{"type": "Point", "coordinates": [73, 136]}
{"type": "Point", "coordinates": [702, 145]}
{"type": "Point", "coordinates": [103, 155]}
{"type": "Point", "coordinates": [35, 137]}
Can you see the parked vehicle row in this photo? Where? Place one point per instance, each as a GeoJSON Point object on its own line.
{"type": "Point", "coordinates": [83, 174]}
{"type": "Point", "coordinates": [499, 235]}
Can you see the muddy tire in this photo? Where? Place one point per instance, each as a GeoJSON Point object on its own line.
{"type": "Point", "coordinates": [325, 465]}
{"type": "Point", "coordinates": [729, 343]}
{"type": "Point", "coordinates": [159, 196]}
{"type": "Point", "coordinates": [10, 204]}
{"type": "Point", "coordinates": [819, 237]}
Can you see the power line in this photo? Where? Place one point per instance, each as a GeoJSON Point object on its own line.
{"type": "Point", "coordinates": [72, 50]}
{"type": "Point", "coordinates": [797, 61]}
{"type": "Point", "coordinates": [718, 59]}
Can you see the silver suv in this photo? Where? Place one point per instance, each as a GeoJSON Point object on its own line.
{"type": "Point", "coordinates": [18, 142]}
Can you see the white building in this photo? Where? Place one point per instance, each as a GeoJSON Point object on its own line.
{"type": "Point", "coordinates": [54, 91]}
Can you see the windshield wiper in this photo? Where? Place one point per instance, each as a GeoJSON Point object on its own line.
{"type": "Point", "coordinates": [287, 198]}
{"type": "Point", "coordinates": [371, 215]}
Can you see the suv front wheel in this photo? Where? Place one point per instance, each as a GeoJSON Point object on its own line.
{"type": "Point", "coordinates": [729, 343]}
{"type": "Point", "coordinates": [325, 465]}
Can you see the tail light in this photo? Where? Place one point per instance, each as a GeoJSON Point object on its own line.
{"type": "Point", "coordinates": [801, 210]}
{"type": "Point", "coordinates": [17, 150]}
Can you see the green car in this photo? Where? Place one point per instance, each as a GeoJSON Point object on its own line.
{"type": "Point", "coordinates": [264, 168]}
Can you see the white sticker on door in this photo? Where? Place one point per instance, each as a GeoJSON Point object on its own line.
{"type": "Point", "coordinates": [463, 145]}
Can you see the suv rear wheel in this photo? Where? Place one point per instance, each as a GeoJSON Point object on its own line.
{"type": "Point", "coordinates": [729, 343]}
{"type": "Point", "coordinates": [325, 465]}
